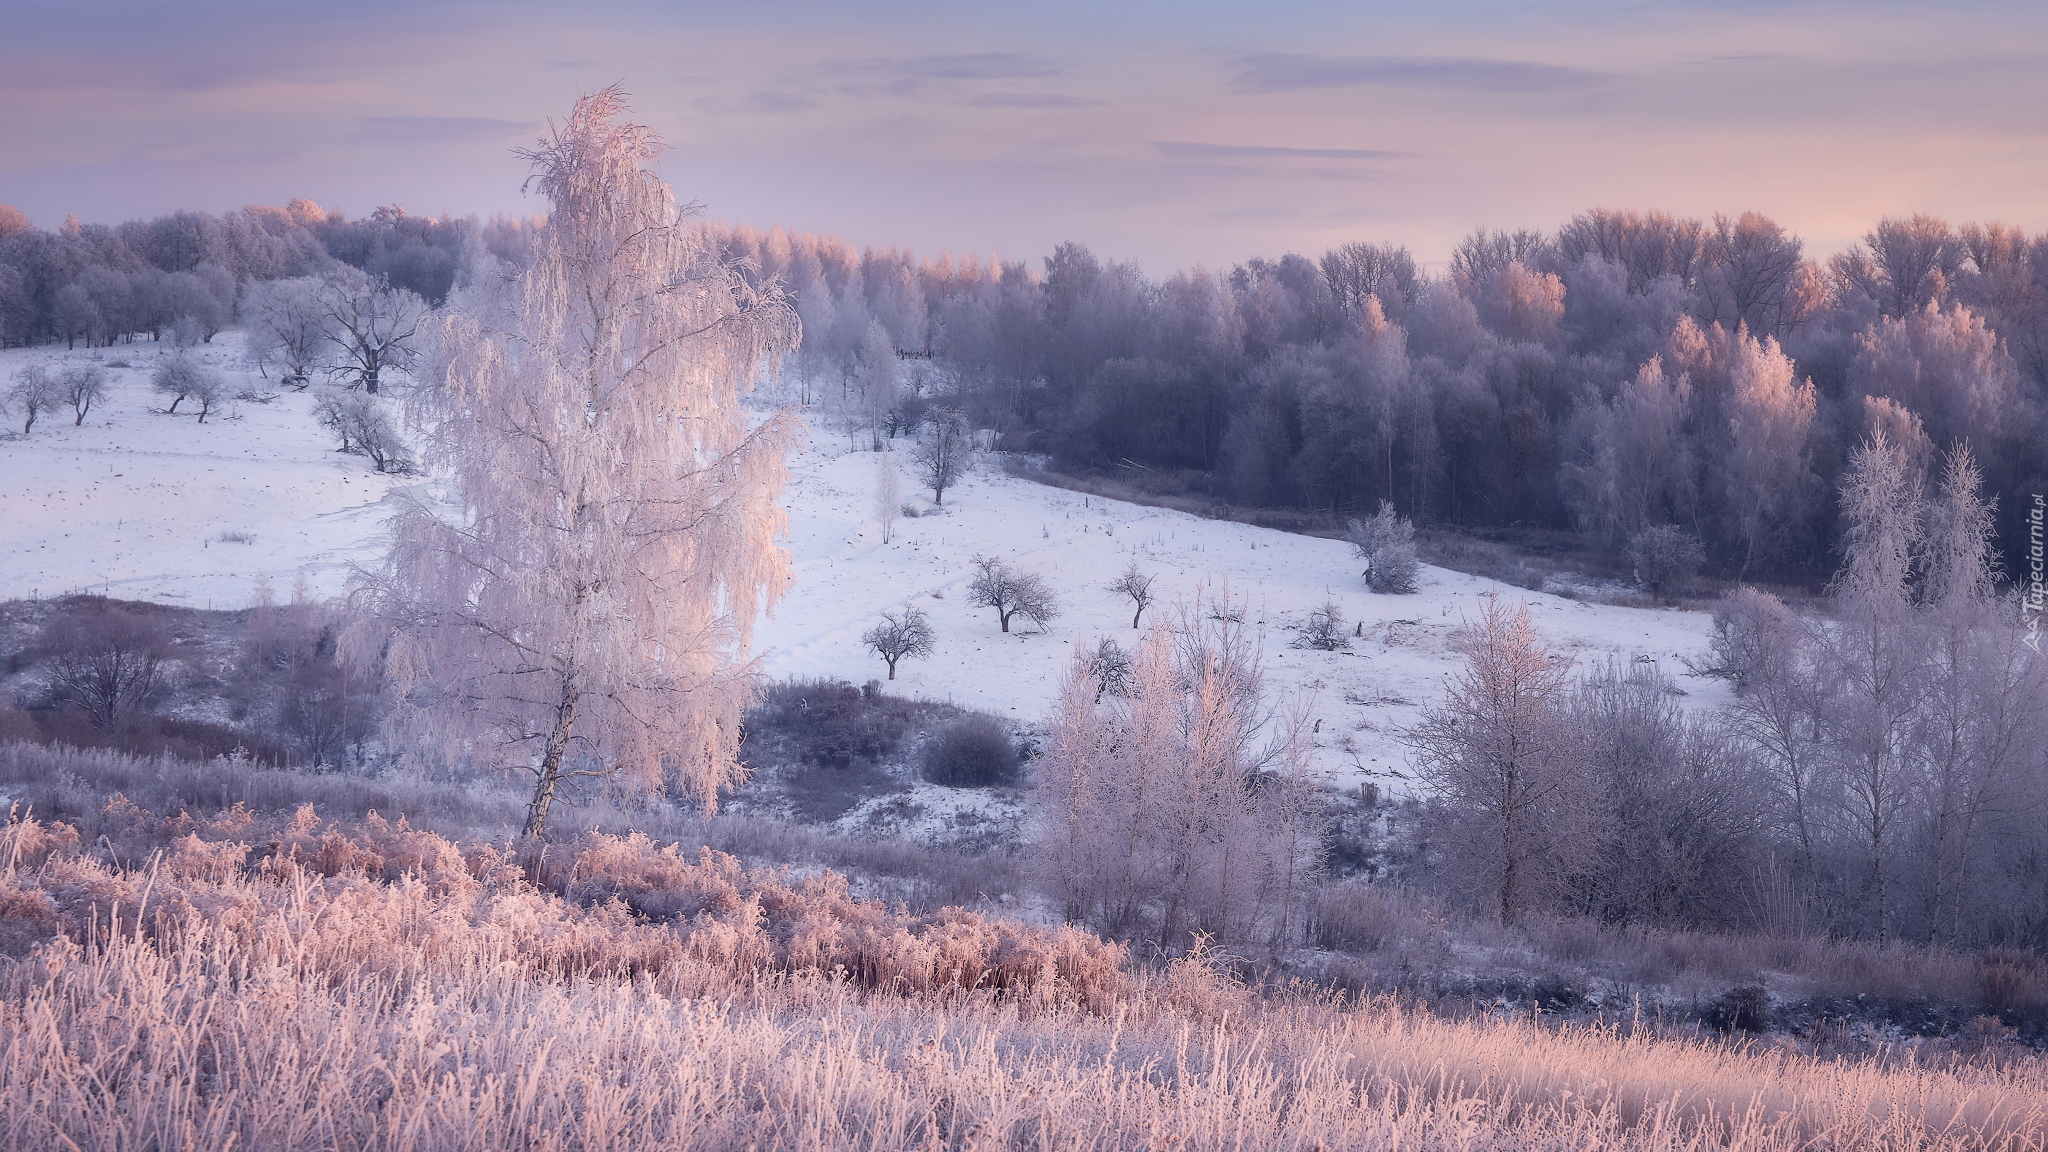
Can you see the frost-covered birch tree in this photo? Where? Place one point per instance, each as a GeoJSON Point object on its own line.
{"type": "Point", "coordinates": [888, 491]}
{"type": "Point", "coordinates": [1160, 809]}
{"type": "Point", "coordinates": [587, 609]}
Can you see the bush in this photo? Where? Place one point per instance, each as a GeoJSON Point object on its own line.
{"type": "Point", "coordinates": [1324, 629]}
{"type": "Point", "coordinates": [1387, 545]}
{"type": "Point", "coordinates": [1665, 557]}
{"type": "Point", "coordinates": [1743, 1009]}
{"type": "Point", "coordinates": [974, 753]}
{"type": "Point", "coordinates": [827, 723]}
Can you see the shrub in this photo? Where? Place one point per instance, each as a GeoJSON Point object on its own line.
{"type": "Point", "coordinates": [1743, 1009]}
{"type": "Point", "coordinates": [828, 723]}
{"type": "Point", "coordinates": [1387, 545]}
{"type": "Point", "coordinates": [974, 753]}
{"type": "Point", "coordinates": [1324, 629]}
{"type": "Point", "coordinates": [1665, 557]}
{"type": "Point", "coordinates": [1111, 667]}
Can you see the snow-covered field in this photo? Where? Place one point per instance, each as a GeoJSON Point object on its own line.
{"type": "Point", "coordinates": [141, 505]}
{"type": "Point", "coordinates": [138, 504]}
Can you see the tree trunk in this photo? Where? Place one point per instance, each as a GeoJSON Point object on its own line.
{"type": "Point", "coordinates": [550, 771]}
{"type": "Point", "coordinates": [370, 381]}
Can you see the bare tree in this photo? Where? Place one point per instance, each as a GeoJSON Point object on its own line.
{"type": "Point", "coordinates": [1136, 586]}
{"type": "Point", "coordinates": [82, 387]}
{"type": "Point", "coordinates": [364, 428]}
{"type": "Point", "coordinates": [1987, 696]}
{"type": "Point", "coordinates": [1768, 653]}
{"type": "Point", "coordinates": [1874, 657]}
{"type": "Point", "coordinates": [999, 586]}
{"type": "Point", "coordinates": [1357, 271]}
{"type": "Point", "coordinates": [370, 325]}
{"type": "Point", "coordinates": [287, 326]}
{"type": "Point", "coordinates": [107, 660]}
{"type": "Point", "coordinates": [942, 454]}
{"type": "Point", "coordinates": [181, 378]}
{"type": "Point", "coordinates": [1160, 808]}
{"type": "Point", "coordinates": [35, 391]}
{"type": "Point", "coordinates": [588, 610]}
{"type": "Point", "coordinates": [1754, 263]}
{"type": "Point", "coordinates": [1500, 757]}
{"type": "Point", "coordinates": [899, 636]}
{"type": "Point", "coordinates": [1902, 264]}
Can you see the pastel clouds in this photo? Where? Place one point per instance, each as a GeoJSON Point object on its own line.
{"type": "Point", "coordinates": [1173, 134]}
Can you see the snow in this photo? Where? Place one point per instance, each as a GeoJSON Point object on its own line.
{"type": "Point", "coordinates": [134, 504]}
{"type": "Point", "coordinates": [846, 576]}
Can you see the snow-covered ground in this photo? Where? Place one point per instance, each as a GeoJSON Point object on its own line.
{"type": "Point", "coordinates": [846, 576]}
{"type": "Point", "coordinates": [141, 505]}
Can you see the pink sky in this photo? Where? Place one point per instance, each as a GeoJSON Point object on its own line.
{"type": "Point", "coordinates": [1172, 134]}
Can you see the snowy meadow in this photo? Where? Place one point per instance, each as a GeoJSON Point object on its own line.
{"type": "Point", "coordinates": [580, 683]}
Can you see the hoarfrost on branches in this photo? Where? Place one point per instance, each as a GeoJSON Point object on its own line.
{"type": "Point", "coordinates": [588, 609]}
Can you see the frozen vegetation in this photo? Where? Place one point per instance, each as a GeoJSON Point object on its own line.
{"type": "Point", "coordinates": [456, 707]}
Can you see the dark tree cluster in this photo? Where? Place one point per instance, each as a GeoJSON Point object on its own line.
{"type": "Point", "coordinates": [1630, 372]}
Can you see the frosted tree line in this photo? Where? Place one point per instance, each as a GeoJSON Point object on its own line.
{"type": "Point", "coordinates": [1630, 373]}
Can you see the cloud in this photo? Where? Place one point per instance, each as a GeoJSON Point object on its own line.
{"type": "Point", "coordinates": [447, 129]}
{"type": "Point", "coordinates": [777, 102]}
{"type": "Point", "coordinates": [976, 66]}
{"type": "Point", "coordinates": [1029, 100]}
{"type": "Point", "coordinates": [1256, 212]}
{"type": "Point", "coordinates": [1184, 150]}
{"type": "Point", "coordinates": [1281, 72]}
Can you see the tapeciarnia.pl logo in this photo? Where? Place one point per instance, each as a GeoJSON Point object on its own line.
{"type": "Point", "coordinates": [2035, 592]}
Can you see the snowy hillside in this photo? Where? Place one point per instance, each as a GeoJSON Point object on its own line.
{"type": "Point", "coordinates": [142, 505]}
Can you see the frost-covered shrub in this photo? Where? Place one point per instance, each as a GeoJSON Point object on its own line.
{"type": "Point", "coordinates": [1387, 545]}
{"type": "Point", "coordinates": [1324, 629]}
{"type": "Point", "coordinates": [1665, 557]}
{"type": "Point", "coordinates": [1110, 665]}
{"type": "Point", "coordinates": [973, 753]}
